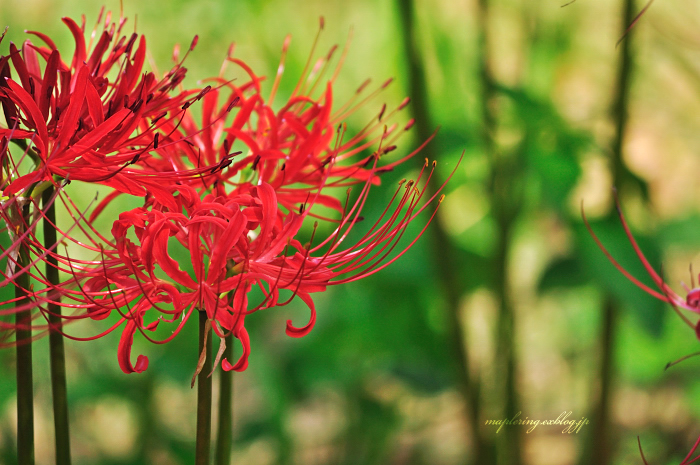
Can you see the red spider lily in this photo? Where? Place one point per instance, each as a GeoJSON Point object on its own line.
{"type": "Point", "coordinates": [231, 244]}
{"type": "Point", "coordinates": [87, 119]}
{"type": "Point", "coordinates": [230, 228]}
{"type": "Point", "coordinates": [292, 148]}
{"type": "Point", "coordinates": [686, 460]}
{"type": "Point", "coordinates": [692, 300]}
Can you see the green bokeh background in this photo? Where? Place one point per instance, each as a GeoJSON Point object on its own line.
{"type": "Point", "coordinates": [378, 381]}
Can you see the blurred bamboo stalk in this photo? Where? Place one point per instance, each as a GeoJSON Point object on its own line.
{"type": "Point", "coordinates": [443, 249]}
{"type": "Point", "coordinates": [509, 444]}
{"type": "Point", "coordinates": [204, 394]}
{"type": "Point", "coordinates": [224, 434]}
{"type": "Point", "coordinates": [56, 348]}
{"type": "Point", "coordinates": [600, 448]}
{"type": "Point", "coordinates": [505, 204]}
{"type": "Point", "coordinates": [23, 335]}
{"type": "Point", "coordinates": [620, 108]}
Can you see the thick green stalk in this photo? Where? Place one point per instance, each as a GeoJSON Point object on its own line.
{"type": "Point", "coordinates": [57, 352]}
{"type": "Point", "coordinates": [25, 383]}
{"type": "Point", "coordinates": [203, 396]}
{"type": "Point", "coordinates": [224, 437]}
{"type": "Point", "coordinates": [443, 248]}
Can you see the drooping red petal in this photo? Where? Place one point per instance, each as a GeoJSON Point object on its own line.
{"type": "Point", "coordinates": [124, 350]}
{"type": "Point", "coordinates": [292, 330]}
{"type": "Point", "coordinates": [168, 265]}
{"type": "Point", "coordinates": [242, 362]}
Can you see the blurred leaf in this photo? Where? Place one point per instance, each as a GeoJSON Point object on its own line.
{"type": "Point", "coordinates": [683, 232]}
{"type": "Point", "coordinates": [450, 142]}
{"type": "Point", "coordinates": [371, 426]}
{"type": "Point", "coordinates": [549, 146]}
{"type": "Point", "coordinates": [425, 380]}
{"type": "Point", "coordinates": [479, 240]}
{"type": "Point", "coordinates": [558, 174]}
{"type": "Point", "coordinates": [253, 429]}
{"type": "Point", "coordinates": [564, 272]}
{"type": "Point", "coordinates": [476, 271]}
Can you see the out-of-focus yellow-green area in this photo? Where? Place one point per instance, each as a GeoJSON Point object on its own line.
{"type": "Point", "coordinates": [378, 379]}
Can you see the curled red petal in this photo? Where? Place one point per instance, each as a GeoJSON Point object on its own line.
{"type": "Point", "coordinates": [167, 264]}
{"type": "Point", "coordinates": [242, 362]}
{"type": "Point", "coordinates": [124, 350]}
{"type": "Point", "coordinates": [293, 331]}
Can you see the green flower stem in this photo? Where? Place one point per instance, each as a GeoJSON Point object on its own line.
{"type": "Point", "coordinates": [203, 396]}
{"type": "Point", "coordinates": [57, 352]}
{"type": "Point", "coordinates": [25, 383]}
{"type": "Point", "coordinates": [224, 438]}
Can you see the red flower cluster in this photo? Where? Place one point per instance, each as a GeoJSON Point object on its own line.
{"type": "Point", "coordinates": [81, 125]}
{"type": "Point", "coordinates": [225, 199]}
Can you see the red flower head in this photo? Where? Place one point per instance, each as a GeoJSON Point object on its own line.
{"type": "Point", "coordinates": [90, 118]}
{"type": "Point", "coordinates": [231, 243]}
